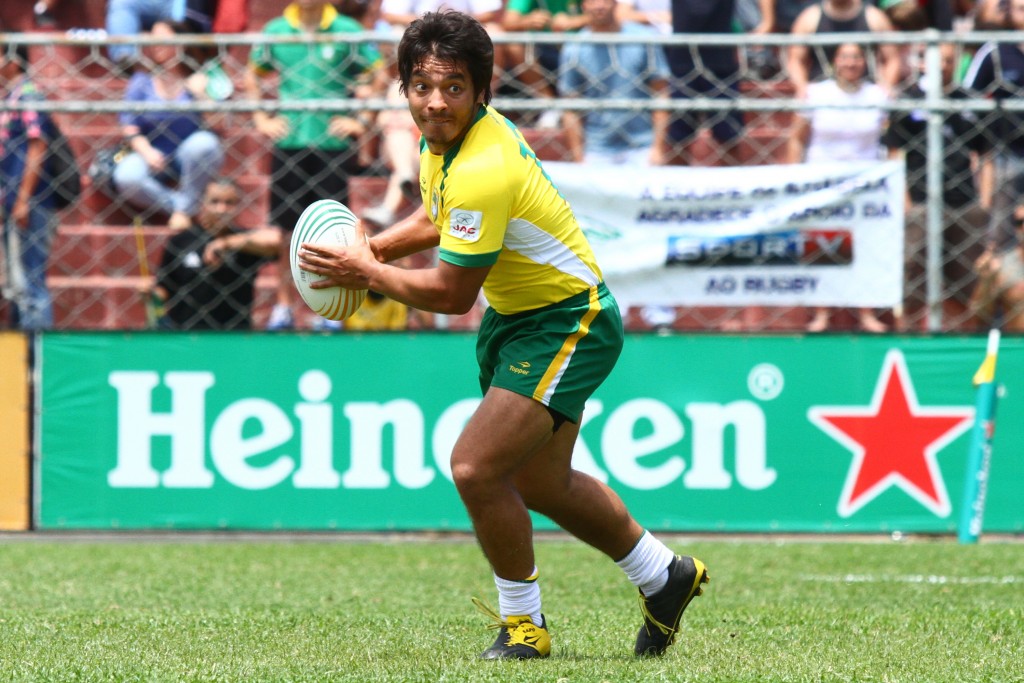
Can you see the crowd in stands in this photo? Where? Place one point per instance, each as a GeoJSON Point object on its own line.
{"type": "Point", "coordinates": [170, 164]}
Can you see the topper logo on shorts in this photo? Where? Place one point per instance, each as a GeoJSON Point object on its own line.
{"type": "Point", "coordinates": [465, 225]}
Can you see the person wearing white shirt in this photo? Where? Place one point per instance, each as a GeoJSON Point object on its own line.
{"type": "Point", "coordinates": [851, 131]}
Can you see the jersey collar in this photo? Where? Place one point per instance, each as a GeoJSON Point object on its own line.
{"type": "Point", "coordinates": [454, 150]}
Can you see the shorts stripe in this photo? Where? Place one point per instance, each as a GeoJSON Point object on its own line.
{"type": "Point", "coordinates": [549, 382]}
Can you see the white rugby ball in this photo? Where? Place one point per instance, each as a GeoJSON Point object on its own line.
{"type": "Point", "coordinates": [325, 222]}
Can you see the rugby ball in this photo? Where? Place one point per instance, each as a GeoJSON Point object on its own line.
{"type": "Point", "coordinates": [325, 222]}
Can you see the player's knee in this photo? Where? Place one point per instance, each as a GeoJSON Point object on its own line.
{"type": "Point", "coordinates": [467, 475]}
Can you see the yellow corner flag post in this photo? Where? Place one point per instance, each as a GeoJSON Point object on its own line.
{"type": "Point", "coordinates": [979, 457]}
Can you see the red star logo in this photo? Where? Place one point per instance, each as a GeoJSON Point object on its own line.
{"type": "Point", "coordinates": [894, 441]}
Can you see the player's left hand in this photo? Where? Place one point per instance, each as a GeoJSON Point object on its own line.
{"type": "Point", "coordinates": [349, 267]}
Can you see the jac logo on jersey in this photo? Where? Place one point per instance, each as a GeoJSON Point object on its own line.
{"type": "Point", "coordinates": [465, 225]}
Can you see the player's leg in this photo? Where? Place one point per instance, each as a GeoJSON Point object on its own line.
{"type": "Point", "coordinates": [506, 429]}
{"type": "Point", "coordinates": [570, 370]}
{"type": "Point", "coordinates": [577, 502]}
{"type": "Point", "coordinates": [593, 513]}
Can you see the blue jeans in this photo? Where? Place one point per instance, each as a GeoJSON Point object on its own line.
{"type": "Point", "coordinates": [130, 17]}
{"type": "Point", "coordinates": [27, 253]}
{"type": "Point", "coordinates": [194, 164]}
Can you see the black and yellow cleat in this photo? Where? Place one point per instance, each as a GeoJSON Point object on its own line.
{"type": "Point", "coordinates": [663, 610]}
{"type": "Point", "coordinates": [518, 637]}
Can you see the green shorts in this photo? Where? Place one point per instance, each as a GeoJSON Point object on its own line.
{"type": "Point", "coordinates": [557, 355]}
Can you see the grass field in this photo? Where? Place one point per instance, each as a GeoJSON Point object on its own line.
{"type": "Point", "coordinates": [341, 610]}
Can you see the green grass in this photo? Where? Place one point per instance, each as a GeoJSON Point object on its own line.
{"type": "Point", "coordinates": [188, 610]}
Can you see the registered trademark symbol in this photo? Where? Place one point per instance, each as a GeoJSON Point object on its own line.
{"type": "Point", "coordinates": [765, 381]}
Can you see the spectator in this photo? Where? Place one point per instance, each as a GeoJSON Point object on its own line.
{"type": "Point", "coordinates": [911, 17]}
{"type": "Point", "coordinates": [849, 132]}
{"type": "Point", "coordinates": [757, 17]}
{"type": "Point", "coordinates": [173, 156]}
{"type": "Point", "coordinates": [399, 136]}
{"type": "Point", "coordinates": [400, 13]}
{"type": "Point", "coordinates": [998, 298]}
{"type": "Point", "coordinates": [963, 219]}
{"type": "Point", "coordinates": [42, 12]}
{"type": "Point", "coordinates": [621, 71]}
{"type": "Point", "coordinates": [997, 72]}
{"type": "Point", "coordinates": [839, 16]}
{"type": "Point", "coordinates": [207, 273]}
{"type": "Point", "coordinates": [314, 151]}
{"type": "Point", "coordinates": [991, 15]}
{"type": "Point", "coordinates": [937, 14]}
{"type": "Point", "coordinates": [786, 12]}
{"type": "Point", "coordinates": [538, 69]}
{"type": "Point", "coordinates": [656, 13]}
{"type": "Point", "coordinates": [705, 71]}
{"type": "Point", "coordinates": [380, 313]}
{"type": "Point", "coordinates": [366, 12]}
{"type": "Point", "coordinates": [399, 141]}
{"type": "Point", "coordinates": [132, 17]}
{"type": "Point", "coordinates": [26, 205]}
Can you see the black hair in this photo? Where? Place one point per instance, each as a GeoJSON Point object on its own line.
{"type": "Point", "coordinates": [451, 37]}
{"type": "Point", "coordinates": [223, 181]}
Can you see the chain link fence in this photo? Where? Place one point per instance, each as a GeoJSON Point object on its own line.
{"type": "Point", "coordinates": [107, 246]}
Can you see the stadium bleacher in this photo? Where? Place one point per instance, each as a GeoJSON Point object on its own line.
{"type": "Point", "coordinates": [96, 244]}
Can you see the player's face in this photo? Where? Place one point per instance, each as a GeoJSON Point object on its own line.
{"type": "Point", "coordinates": [220, 207]}
{"type": "Point", "coordinates": [442, 102]}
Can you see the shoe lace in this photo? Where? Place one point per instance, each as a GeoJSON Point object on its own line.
{"type": "Point", "coordinates": [492, 614]}
{"type": "Point", "coordinates": [650, 620]}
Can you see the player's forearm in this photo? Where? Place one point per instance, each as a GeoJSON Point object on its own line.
{"type": "Point", "coordinates": [426, 289]}
{"type": "Point", "coordinates": [409, 236]}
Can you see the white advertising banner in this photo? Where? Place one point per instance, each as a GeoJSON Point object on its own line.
{"type": "Point", "coordinates": [793, 235]}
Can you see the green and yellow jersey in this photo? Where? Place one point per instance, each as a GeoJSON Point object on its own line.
{"type": "Point", "coordinates": [494, 205]}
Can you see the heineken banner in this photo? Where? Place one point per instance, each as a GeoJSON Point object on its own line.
{"type": "Point", "coordinates": [351, 431]}
{"type": "Point", "coordinates": [796, 235]}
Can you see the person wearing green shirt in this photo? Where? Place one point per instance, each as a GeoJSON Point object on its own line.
{"type": "Point", "coordinates": [540, 66]}
{"type": "Point", "coordinates": [314, 151]}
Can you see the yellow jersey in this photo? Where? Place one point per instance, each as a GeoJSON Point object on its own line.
{"type": "Point", "coordinates": [494, 205]}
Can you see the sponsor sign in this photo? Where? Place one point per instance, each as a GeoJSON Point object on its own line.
{"type": "Point", "coordinates": [355, 432]}
{"type": "Point", "coordinates": [794, 235]}
{"type": "Point", "coordinates": [14, 426]}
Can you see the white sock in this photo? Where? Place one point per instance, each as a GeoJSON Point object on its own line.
{"type": "Point", "coordinates": [646, 565]}
{"type": "Point", "coordinates": [516, 598]}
